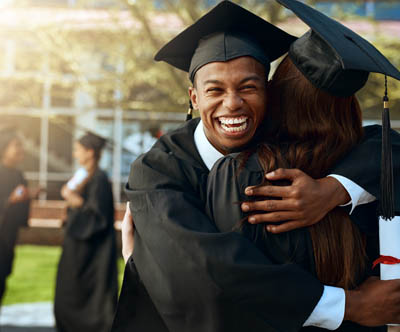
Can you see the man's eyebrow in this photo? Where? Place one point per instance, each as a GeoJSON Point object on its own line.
{"type": "Point", "coordinates": [251, 78]}
{"type": "Point", "coordinates": [212, 82]}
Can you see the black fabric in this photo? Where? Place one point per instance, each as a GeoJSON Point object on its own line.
{"type": "Point", "coordinates": [194, 274]}
{"type": "Point", "coordinates": [339, 44]}
{"type": "Point", "coordinates": [233, 19]}
{"type": "Point", "coordinates": [225, 46]}
{"type": "Point", "coordinates": [12, 216]}
{"type": "Point", "coordinates": [197, 278]}
{"type": "Point", "coordinates": [87, 286]}
{"type": "Point", "coordinates": [290, 247]}
{"type": "Point", "coordinates": [323, 67]}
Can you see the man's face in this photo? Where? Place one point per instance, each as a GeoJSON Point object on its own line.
{"type": "Point", "coordinates": [231, 99]}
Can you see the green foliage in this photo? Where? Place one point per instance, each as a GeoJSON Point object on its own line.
{"type": "Point", "coordinates": [34, 274]}
{"type": "Point", "coordinates": [371, 95]}
{"type": "Point", "coordinates": [113, 60]}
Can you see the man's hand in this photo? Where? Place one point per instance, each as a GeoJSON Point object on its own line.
{"type": "Point", "coordinates": [375, 303]}
{"type": "Point", "coordinates": [305, 202]}
{"type": "Point", "coordinates": [127, 232]}
{"type": "Point", "coordinates": [19, 194]}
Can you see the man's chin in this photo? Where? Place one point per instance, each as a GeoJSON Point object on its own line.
{"type": "Point", "coordinates": [234, 149]}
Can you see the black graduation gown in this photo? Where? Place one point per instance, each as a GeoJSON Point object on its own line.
{"type": "Point", "coordinates": [192, 277]}
{"type": "Point", "coordinates": [11, 218]}
{"type": "Point", "coordinates": [226, 183]}
{"type": "Point", "coordinates": [87, 286]}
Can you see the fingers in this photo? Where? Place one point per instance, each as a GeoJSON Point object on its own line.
{"type": "Point", "coordinates": [284, 173]}
{"type": "Point", "coordinates": [272, 205]}
{"type": "Point", "coordinates": [293, 191]}
{"type": "Point", "coordinates": [286, 227]}
{"type": "Point", "coordinates": [127, 232]}
{"type": "Point", "coordinates": [273, 217]}
{"type": "Point", "coordinates": [271, 191]}
{"type": "Point", "coordinates": [127, 221]}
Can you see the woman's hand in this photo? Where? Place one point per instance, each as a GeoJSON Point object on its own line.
{"type": "Point", "coordinates": [72, 198]}
{"type": "Point", "coordinates": [127, 232]}
{"type": "Point", "coordinates": [19, 194]}
{"type": "Point", "coordinates": [34, 192]}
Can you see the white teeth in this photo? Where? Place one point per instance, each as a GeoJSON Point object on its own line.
{"type": "Point", "coordinates": [236, 120]}
{"type": "Point", "coordinates": [234, 129]}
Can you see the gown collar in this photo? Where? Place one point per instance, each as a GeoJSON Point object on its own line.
{"type": "Point", "coordinates": [207, 152]}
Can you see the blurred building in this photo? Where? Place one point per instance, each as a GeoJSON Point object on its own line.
{"type": "Point", "coordinates": [54, 93]}
{"type": "Point", "coordinates": [53, 105]}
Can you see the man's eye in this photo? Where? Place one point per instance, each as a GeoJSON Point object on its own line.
{"type": "Point", "coordinates": [248, 87]}
{"type": "Point", "coordinates": [213, 90]}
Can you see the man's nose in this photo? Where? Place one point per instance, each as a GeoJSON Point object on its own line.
{"type": "Point", "coordinates": [233, 101]}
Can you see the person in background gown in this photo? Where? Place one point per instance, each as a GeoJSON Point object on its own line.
{"type": "Point", "coordinates": [87, 286]}
{"type": "Point", "coordinates": [14, 199]}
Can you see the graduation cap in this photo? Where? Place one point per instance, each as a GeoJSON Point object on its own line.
{"type": "Point", "coordinates": [337, 60]}
{"type": "Point", "coordinates": [226, 32]}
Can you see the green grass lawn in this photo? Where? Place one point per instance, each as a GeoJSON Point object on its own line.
{"type": "Point", "coordinates": [34, 274]}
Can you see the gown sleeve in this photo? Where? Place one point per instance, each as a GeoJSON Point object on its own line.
{"type": "Point", "coordinates": [198, 278]}
{"type": "Point", "coordinates": [362, 164]}
{"type": "Point", "coordinates": [93, 217]}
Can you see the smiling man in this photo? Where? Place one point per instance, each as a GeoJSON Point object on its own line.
{"type": "Point", "coordinates": [231, 98]}
{"type": "Point", "coordinates": [183, 274]}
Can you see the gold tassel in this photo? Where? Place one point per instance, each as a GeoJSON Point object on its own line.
{"type": "Point", "coordinates": [189, 114]}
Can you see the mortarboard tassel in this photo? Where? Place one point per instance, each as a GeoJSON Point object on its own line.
{"type": "Point", "coordinates": [387, 186]}
{"type": "Point", "coordinates": [189, 114]}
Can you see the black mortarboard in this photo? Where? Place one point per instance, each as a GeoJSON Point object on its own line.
{"type": "Point", "coordinates": [92, 141]}
{"type": "Point", "coordinates": [333, 57]}
{"type": "Point", "coordinates": [337, 60]}
{"type": "Point", "coordinates": [226, 32]}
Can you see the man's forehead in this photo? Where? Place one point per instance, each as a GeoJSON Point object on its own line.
{"type": "Point", "coordinates": [240, 68]}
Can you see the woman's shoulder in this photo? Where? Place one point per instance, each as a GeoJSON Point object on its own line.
{"type": "Point", "coordinates": [236, 172]}
{"type": "Point", "coordinates": [100, 176]}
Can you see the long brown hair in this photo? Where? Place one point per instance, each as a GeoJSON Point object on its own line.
{"type": "Point", "coordinates": [315, 130]}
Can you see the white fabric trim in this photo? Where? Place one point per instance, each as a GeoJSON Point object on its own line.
{"type": "Point", "coordinates": [329, 312]}
{"type": "Point", "coordinates": [357, 194]}
{"type": "Point", "coordinates": [207, 152]}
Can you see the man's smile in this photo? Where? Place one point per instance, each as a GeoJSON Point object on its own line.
{"type": "Point", "coordinates": [235, 125]}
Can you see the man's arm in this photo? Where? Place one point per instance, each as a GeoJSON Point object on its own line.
{"type": "Point", "coordinates": [307, 200]}
{"type": "Point", "coordinates": [200, 279]}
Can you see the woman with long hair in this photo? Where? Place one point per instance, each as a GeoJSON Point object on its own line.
{"type": "Point", "coordinates": [86, 290]}
{"type": "Point", "coordinates": [315, 131]}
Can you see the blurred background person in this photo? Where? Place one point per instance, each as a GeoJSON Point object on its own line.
{"type": "Point", "coordinates": [87, 287]}
{"type": "Point", "coordinates": [14, 199]}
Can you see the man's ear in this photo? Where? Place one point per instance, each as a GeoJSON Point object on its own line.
{"type": "Point", "coordinates": [193, 97]}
